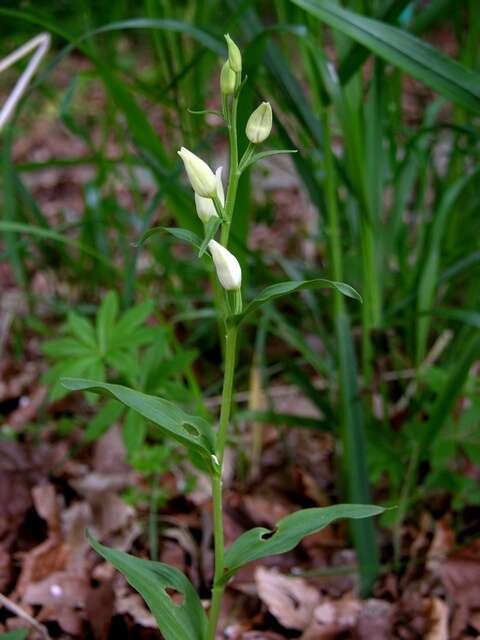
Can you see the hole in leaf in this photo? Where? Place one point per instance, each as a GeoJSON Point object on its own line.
{"type": "Point", "coordinates": [175, 596]}
{"type": "Point", "coordinates": [268, 534]}
{"type": "Point", "coordinates": [190, 429]}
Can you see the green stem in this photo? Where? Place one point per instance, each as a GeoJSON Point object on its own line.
{"type": "Point", "coordinates": [371, 308]}
{"type": "Point", "coordinates": [233, 175]}
{"type": "Point", "coordinates": [228, 379]}
{"type": "Point", "coordinates": [230, 352]}
{"type": "Point", "coordinates": [217, 591]}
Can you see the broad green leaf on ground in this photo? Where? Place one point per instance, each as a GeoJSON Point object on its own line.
{"type": "Point", "coordinates": [192, 432]}
{"type": "Point", "coordinates": [285, 288]}
{"type": "Point", "coordinates": [182, 620]}
{"type": "Point", "coordinates": [412, 55]}
{"type": "Point", "coordinates": [106, 316]}
{"type": "Point", "coordinates": [18, 634]}
{"type": "Point", "coordinates": [260, 542]}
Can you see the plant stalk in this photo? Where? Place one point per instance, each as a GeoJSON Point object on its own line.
{"type": "Point", "coordinates": [233, 174]}
{"type": "Point", "coordinates": [219, 543]}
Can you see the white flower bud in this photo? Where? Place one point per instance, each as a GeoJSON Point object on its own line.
{"type": "Point", "coordinates": [205, 207]}
{"type": "Point", "coordinates": [228, 79]}
{"type": "Point", "coordinates": [228, 269]}
{"type": "Point", "coordinates": [259, 124]}
{"type": "Point", "coordinates": [234, 55]}
{"type": "Point", "coordinates": [201, 177]}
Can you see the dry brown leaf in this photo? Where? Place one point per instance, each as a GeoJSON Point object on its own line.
{"type": "Point", "coordinates": [261, 635]}
{"type": "Point", "coordinates": [266, 509]}
{"type": "Point", "coordinates": [20, 469]}
{"type": "Point", "coordinates": [375, 620]}
{"type": "Point", "coordinates": [438, 620]}
{"type": "Point", "coordinates": [62, 597]}
{"type": "Point", "coordinates": [442, 543]}
{"type": "Point", "coordinates": [28, 407]}
{"type": "Point", "coordinates": [132, 604]}
{"type": "Point", "coordinates": [94, 484]}
{"type": "Point", "coordinates": [5, 568]}
{"type": "Point", "coordinates": [46, 504]}
{"type": "Point", "coordinates": [333, 617]}
{"type": "Point", "coordinates": [99, 609]}
{"type": "Point", "coordinates": [290, 600]}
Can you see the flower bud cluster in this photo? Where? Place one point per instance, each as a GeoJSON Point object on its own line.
{"type": "Point", "coordinates": [208, 186]}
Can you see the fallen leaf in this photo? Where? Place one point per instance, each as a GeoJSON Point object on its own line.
{"type": "Point", "coordinates": [375, 620]}
{"type": "Point", "coordinates": [332, 618]}
{"type": "Point", "coordinates": [438, 620]}
{"type": "Point", "coordinates": [99, 609]}
{"type": "Point", "coordinates": [290, 600]}
{"type": "Point", "coordinates": [132, 604]}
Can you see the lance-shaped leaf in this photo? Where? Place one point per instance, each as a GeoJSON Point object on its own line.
{"type": "Point", "coordinates": [192, 431]}
{"type": "Point", "coordinates": [285, 288]}
{"type": "Point", "coordinates": [180, 234]}
{"type": "Point", "coordinates": [260, 542]}
{"type": "Point", "coordinates": [179, 614]}
{"type": "Point", "coordinates": [264, 154]}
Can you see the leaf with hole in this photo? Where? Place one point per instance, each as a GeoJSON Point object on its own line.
{"type": "Point", "coordinates": [260, 542]}
{"type": "Point", "coordinates": [192, 432]}
{"type": "Point", "coordinates": [169, 594]}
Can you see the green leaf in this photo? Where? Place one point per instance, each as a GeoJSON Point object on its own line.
{"type": "Point", "coordinates": [419, 59]}
{"type": "Point", "coordinates": [210, 231]}
{"type": "Point", "coordinates": [65, 348]}
{"type": "Point", "coordinates": [266, 154]}
{"type": "Point", "coordinates": [149, 234]}
{"type": "Point", "coordinates": [18, 634]}
{"type": "Point", "coordinates": [289, 531]}
{"type": "Point", "coordinates": [71, 367]}
{"type": "Point", "coordinates": [103, 420]}
{"type": "Point", "coordinates": [449, 393]}
{"type": "Point", "coordinates": [82, 329]}
{"type": "Point", "coordinates": [184, 235]}
{"type": "Point", "coordinates": [125, 362]}
{"type": "Point", "coordinates": [106, 319]}
{"type": "Point", "coordinates": [192, 431]}
{"type": "Point", "coordinates": [183, 621]}
{"type": "Point", "coordinates": [48, 234]}
{"type": "Point", "coordinates": [129, 322]}
{"type": "Point", "coordinates": [134, 431]}
{"type": "Point", "coordinates": [285, 288]}
{"type": "Point", "coordinates": [354, 452]}
{"type": "Point", "coordinates": [427, 284]}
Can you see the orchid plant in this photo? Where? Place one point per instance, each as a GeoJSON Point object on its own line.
{"type": "Point", "coordinates": [169, 594]}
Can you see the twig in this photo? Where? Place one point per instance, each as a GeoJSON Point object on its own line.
{"type": "Point", "coordinates": [18, 611]}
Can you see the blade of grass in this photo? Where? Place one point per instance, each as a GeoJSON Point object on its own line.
{"type": "Point", "coordinates": [419, 59]}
